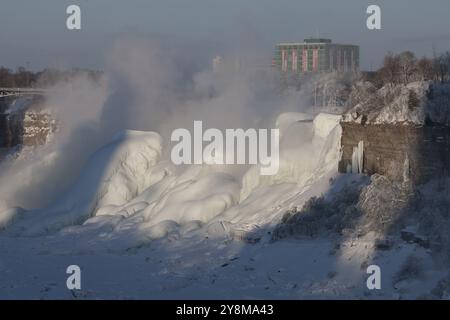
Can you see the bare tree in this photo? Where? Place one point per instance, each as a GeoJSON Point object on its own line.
{"type": "Point", "coordinates": [404, 68]}
{"type": "Point", "coordinates": [407, 66]}
{"type": "Point", "coordinates": [389, 72]}
{"type": "Point", "coordinates": [424, 68]}
{"type": "Point", "coordinates": [442, 66]}
{"type": "Point", "coordinates": [6, 78]}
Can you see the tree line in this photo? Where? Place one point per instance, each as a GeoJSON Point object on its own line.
{"type": "Point", "coordinates": [404, 68]}
{"type": "Point", "coordinates": [23, 78]}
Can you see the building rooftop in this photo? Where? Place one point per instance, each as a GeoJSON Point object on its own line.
{"type": "Point", "coordinates": [317, 40]}
{"type": "Point", "coordinates": [313, 41]}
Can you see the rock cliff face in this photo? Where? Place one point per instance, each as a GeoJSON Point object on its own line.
{"type": "Point", "coordinates": [398, 151]}
{"type": "Point", "coordinates": [24, 121]}
{"type": "Point", "coordinates": [406, 135]}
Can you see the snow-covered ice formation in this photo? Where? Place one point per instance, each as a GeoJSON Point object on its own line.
{"type": "Point", "coordinates": [141, 227]}
{"type": "Point", "coordinates": [127, 185]}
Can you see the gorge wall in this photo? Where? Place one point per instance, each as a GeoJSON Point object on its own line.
{"type": "Point", "coordinates": [397, 150]}
{"type": "Point", "coordinates": [24, 121]}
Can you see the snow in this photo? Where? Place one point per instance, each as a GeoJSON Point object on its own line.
{"type": "Point", "coordinates": [128, 178]}
{"type": "Point", "coordinates": [114, 175]}
{"type": "Point", "coordinates": [324, 123]}
{"type": "Point", "coordinates": [308, 151]}
{"type": "Point", "coordinates": [197, 268]}
{"type": "Point", "coordinates": [285, 119]}
{"type": "Point", "coordinates": [141, 227]}
{"type": "Point", "coordinates": [414, 103]}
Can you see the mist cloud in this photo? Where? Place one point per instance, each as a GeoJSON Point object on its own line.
{"type": "Point", "coordinates": [145, 87]}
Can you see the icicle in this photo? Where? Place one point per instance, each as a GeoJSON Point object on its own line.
{"type": "Point", "coordinates": [360, 156]}
{"type": "Point", "coordinates": [406, 169]}
{"type": "Point", "coordinates": [357, 158]}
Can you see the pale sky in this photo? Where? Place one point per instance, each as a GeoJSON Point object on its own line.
{"type": "Point", "coordinates": [34, 32]}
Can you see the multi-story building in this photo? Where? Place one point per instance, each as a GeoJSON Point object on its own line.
{"type": "Point", "coordinates": [316, 55]}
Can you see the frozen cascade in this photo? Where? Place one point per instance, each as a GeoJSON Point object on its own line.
{"type": "Point", "coordinates": [358, 158]}
{"type": "Point", "coordinates": [126, 188]}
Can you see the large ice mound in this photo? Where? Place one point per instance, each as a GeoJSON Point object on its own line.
{"type": "Point", "coordinates": [127, 191]}
{"type": "Point", "coordinates": [113, 175]}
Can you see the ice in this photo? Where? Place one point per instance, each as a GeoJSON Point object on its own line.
{"type": "Point", "coordinates": [355, 168]}
{"type": "Point", "coordinates": [307, 152]}
{"type": "Point", "coordinates": [198, 231]}
{"type": "Point", "coordinates": [358, 158]}
{"type": "Point", "coordinates": [114, 175]}
{"type": "Point", "coordinates": [286, 119]}
{"type": "Point", "coordinates": [127, 178]}
{"type": "Point", "coordinates": [324, 123]}
{"type": "Point", "coordinates": [361, 156]}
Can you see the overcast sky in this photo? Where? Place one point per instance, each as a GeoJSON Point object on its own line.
{"type": "Point", "coordinates": [34, 33]}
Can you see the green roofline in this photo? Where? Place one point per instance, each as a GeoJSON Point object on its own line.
{"type": "Point", "coordinates": [315, 41]}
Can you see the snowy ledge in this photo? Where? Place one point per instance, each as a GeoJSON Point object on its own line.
{"type": "Point", "coordinates": [417, 103]}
